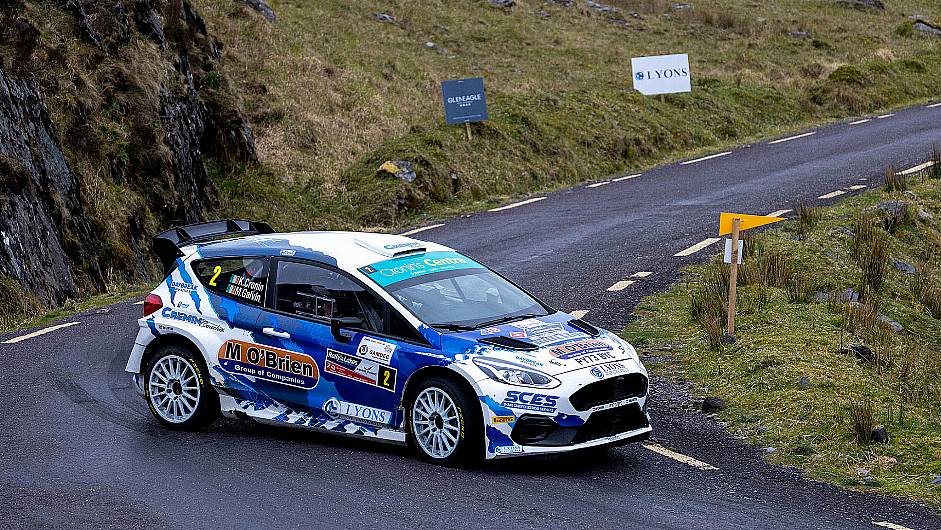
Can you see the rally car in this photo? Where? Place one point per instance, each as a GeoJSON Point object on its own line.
{"type": "Point", "coordinates": [377, 336]}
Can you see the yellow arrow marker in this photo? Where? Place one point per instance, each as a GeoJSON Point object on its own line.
{"type": "Point", "coordinates": [748, 221]}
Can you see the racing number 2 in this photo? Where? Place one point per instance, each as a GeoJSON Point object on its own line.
{"type": "Point", "coordinates": [387, 378]}
{"type": "Point", "coordinates": [215, 274]}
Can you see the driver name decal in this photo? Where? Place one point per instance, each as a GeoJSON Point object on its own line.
{"type": "Point", "coordinates": [269, 364]}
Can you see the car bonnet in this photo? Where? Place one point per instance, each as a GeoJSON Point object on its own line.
{"type": "Point", "coordinates": [549, 344]}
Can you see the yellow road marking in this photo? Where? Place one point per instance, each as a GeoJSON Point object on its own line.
{"type": "Point", "coordinates": [43, 331]}
{"type": "Point", "coordinates": [679, 457]}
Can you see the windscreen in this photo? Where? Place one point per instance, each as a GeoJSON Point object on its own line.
{"type": "Point", "coordinates": [449, 290]}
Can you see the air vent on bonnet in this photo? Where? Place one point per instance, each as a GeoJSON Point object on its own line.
{"type": "Point", "coordinates": [510, 344]}
{"type": "Point", "coordinates": [581, 325]}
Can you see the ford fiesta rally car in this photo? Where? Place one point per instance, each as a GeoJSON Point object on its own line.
{"type": "Point", "coordinates": [378, 336]}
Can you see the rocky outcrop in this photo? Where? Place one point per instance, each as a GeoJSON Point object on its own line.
{"type": "Point", "coordinates": [104, 143]}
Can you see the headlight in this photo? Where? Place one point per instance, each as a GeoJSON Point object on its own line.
{"type": "Point", "coordinates": [514, 374]}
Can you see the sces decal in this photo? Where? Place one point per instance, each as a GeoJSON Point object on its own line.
{"type": "Point", "coordinates": [375, 350]}
{"type": "Point", "coordinates": [270, 364]}
{"type": "Point", "coordinates": [169, 312]}
{"type": "Point", "coordinates": [362, 370]}
{"type": "Point", "coordinates": [578, 348]}
{"type": "Point", "coordinates": [358, 413]}
{"type": "Point", "coordinates": [517, 399]}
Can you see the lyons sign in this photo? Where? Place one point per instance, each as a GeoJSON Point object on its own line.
{"type": "Point", "coordinates": [661, 74]}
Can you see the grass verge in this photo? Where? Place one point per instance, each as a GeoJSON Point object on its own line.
{"type": "Point", "coordinates": [839, 340]}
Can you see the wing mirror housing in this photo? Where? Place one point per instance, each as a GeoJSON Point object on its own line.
{"type": "Point", "coordinates": [337, 325]}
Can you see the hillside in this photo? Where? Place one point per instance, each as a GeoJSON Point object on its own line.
{"type": "Point", "coordinates": [139, 115]}
{"type": "Point", "coordinates": [836, 366]}
{"type": "Point", "coordinates": [339, 88]}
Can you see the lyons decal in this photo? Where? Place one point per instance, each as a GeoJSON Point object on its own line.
{"type": "Point", "coordinates": [357, 413]}
{"type": "Point", "coordinates": [269, 364]}
{"type": "Point", "coordinates": [362, 370]}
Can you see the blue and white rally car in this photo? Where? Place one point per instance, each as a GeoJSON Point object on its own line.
{"type": "Point", "coordinates": [379, 336]}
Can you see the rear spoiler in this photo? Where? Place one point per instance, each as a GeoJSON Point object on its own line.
{"type": "Point", "coordinates": [167, 244]}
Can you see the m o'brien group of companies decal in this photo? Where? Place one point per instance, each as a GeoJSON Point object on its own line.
{"type": "Point", "coordinates": [271, 364]}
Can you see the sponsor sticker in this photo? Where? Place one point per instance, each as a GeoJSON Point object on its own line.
{"type": "Point", "coordinates": [518, 399]}
{"type": "Point", "coordinates": [288, 252]}
{"type": "Point", "coordinates": [358, 413]}
{"type": "Point", "coordinates": [491, 331]}
{"type": "Point", "coordinates": [361, 370]}
{"type": "Point", "coordinates": [169, 312]}
{"type": "Point", "coordinates": [507, 449]}
{"type": "Point", "coordinates": [183, 286]}
{"type": "Point", "coordinates": [545, 333]}
{"type": "Point", "coordinates": [375, 350]}
{"type": "Point", "coordinates": [497, 420]}
{"type": "Point", "coordinates": [571, 350]}
{"type": "Point", "coordinates": [529, 361]}
{"type": "Point", "coordinates": [615, 404]}
{"type": "Point", "coordinates": [518, 334]}
{"type": "Point", "coordinates": [270, 364]}
{"type": "Point", "coordinates": [387, 272]}
{"type": "Point", "coordinates": [608, 369]}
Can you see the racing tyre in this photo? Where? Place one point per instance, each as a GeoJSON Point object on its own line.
{"type": "Point", "coordinates": [446, 424]}
{"type": "Point", "coordinates": [176, 386]}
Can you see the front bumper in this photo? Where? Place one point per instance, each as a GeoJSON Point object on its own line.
{"type": "Point", "coordinates": [588, 412]}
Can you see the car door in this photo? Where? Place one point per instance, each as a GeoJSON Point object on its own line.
{"type": "Point", "coordinates": [357, 365]}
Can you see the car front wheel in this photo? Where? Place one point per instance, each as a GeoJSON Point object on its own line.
{"type": "Point", "coordinates": [178, 391]}
{"type": "Point", "coordinates": [446, 424]}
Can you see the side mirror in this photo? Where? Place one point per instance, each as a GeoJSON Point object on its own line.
{"type": "Point", "coordinates": [339, 324]}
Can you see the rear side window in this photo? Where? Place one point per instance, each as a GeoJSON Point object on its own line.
{"type": "Point", "coordinates": [243, 279]}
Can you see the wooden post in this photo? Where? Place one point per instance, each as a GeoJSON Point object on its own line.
{"type": "Point", "coordinates": [467, 128]}
{"type": "Point", "coordinates": [733, 275]}
{"type": "Point", "coordinates": [663, 99]}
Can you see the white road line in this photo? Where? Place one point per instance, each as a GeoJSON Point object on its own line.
{"type": "Point", "coordinates": [697, 247]}
{"type": "Point", "coordinates": [710, 157]}
{"type": "Point", "coordinates": [579, 313]}
{"type": "Point", "coordinates": [893, 526]}
{"type": "Point", "coordinates": [621, 285]}
{"type": "Point", "coordinates": [641, 274]}
{"type": "Point", "coordinates": [516, 204]}
{"type": "Point", "coordinates": [884, 116]}
{"type": "Point", "coordinates": [43, 331]}
{"type": "Point", "coordinates": [778, 213]}
{"type": "Point", "coordinates": [598, 184]}
{"type": "Point", "coordinates": [619, 179]}
{"type": "Point", "coordinates": [688, 460]}
{"type": "Point", "coordinates": [934, 105]}
{"type": "Point", "coordinates": [422, 229]}
{"type": "Point", "coordinates": [782, 140]}
{"type": "Point", "coordinates": [139, 303]}
{"type": "Point", "coordinates": [916, 169]}
{"type": "Point", "coordinates": [860, 121]}
{"type": "Point", "coordinates": [857, 187]}
{"type": "Point", "coordinates": [832, 194]}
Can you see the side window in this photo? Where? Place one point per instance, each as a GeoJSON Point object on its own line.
{"type": "Point", "coordinates": [316, 292]}
{"type": "Point", "coordinates": [399, 327]}
{"type": "Point", "coordinates": [244, 279]}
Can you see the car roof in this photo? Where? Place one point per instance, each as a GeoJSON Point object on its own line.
{"type": "Point", "coordinates": [344, 250]}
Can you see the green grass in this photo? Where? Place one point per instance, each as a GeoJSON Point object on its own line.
{"type": "Point", "coordinates": [332, 94]}
{"type": "Point", "coordinates": [786, 334]}
{"type": "Point", "coordinates": [38, 316]}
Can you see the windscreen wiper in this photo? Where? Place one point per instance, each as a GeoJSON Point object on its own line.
{"type": "Point", "coordinates": [505, 319]}
{"type": "Point", "coordinates": [453, 327]}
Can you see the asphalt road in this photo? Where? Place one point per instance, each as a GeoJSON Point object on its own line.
{"type": "Point", "coordinates": [80, 449]}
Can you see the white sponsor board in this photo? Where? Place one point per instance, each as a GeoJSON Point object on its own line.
{"type": "Point", "coordinates": [376, 350]}
{"type": "Point", "coordinates": [661, 74]}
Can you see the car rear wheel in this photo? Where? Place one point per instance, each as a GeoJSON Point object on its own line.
{"type": "Point", "coordinates": [445, 423]}
{"type": "Point", "coordinates": [178, 391]}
